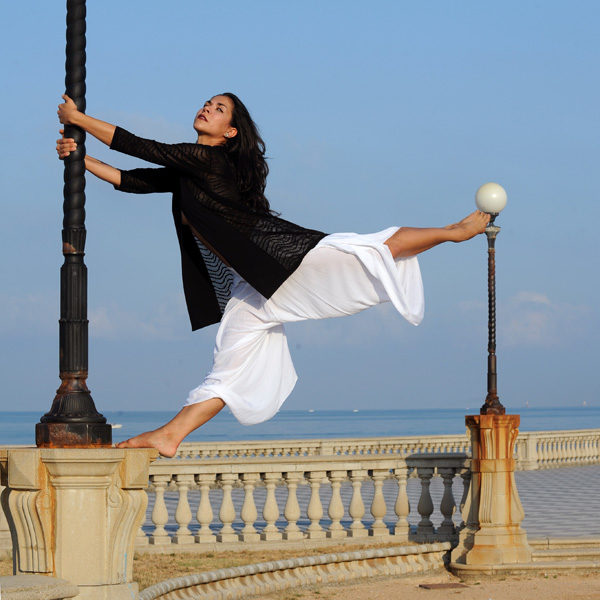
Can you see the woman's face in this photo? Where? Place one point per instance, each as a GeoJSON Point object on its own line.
{"type": "Point", "coordinates": [214, 119]}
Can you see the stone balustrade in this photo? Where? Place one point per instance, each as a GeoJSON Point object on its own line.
{"type": "Point", "coordinates": [316, 498]}
{"type": "Point", "coordinates": [253, 491]}
{"type": "Point", "coordinates": [396, 446]}
{"type": "Point", "coordinates": [553, 449]}
{"type": "Point", "coordinates": [533, 450]}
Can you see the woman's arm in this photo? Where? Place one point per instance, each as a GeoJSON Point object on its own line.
{"type": "Point", "coordinates": [135, 181]}
{"type": "Point", "coordinates": [189, 157]}
{"type": "Point", "coordinates": [69, 115]}
{"type": "Point", "coordinates": [103, 171]}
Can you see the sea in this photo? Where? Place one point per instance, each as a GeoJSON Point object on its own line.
{"type": "Point", "coordinates": [19, 427]}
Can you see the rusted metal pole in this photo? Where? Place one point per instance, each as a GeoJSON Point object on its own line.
{"type": "Point", "coordinates": [492, 405]}
{"type": "Point", "coordinates": [73, 419]}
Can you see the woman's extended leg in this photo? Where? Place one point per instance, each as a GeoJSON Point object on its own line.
{"type": "Point", "coordinates": [409, 241]}
{"type": "Point", "coordinates": [167, 438]}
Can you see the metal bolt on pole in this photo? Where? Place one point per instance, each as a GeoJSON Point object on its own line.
{"type": "Point", "coordinates": [73, 419]}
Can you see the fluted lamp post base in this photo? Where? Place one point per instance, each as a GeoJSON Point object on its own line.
{"type": "Point", "coordinates": [493, 512]}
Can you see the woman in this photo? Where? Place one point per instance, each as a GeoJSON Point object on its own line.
{"type": "Point", "coordinates": [249, 269]}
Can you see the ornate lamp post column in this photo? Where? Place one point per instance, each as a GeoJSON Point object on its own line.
{"type": "Point", "coordinates": [73, 420]}
{"type": "Point", "coordinates": [491, 199]}
{"type": "Point", "coordinates": [493, 511]}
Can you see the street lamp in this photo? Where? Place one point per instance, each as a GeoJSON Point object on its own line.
{"type": "Point", "coordinates": [491, 198]}
{"type": "Point", "coordinates": [493, 513]}
{"type": "Point", "coordinates": [73, 419]}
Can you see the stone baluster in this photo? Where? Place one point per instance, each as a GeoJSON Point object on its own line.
{"type": "Point", "coordinates": [560, 455]}
{"type": "Point", "coordinates": [271, 509]}
{"type": "Point", "coordinates": [573, 450]}
{"type": "Point", "coordinates": [160, 514]}
{"type": "Point", "coordinates": [554, 453]}
{"type": "Point", "coordinates": [447, 530]}
{"type": "Point", "coordinates": [249, 513]}
{"type": "Point", "coordinates": [569, 451]}
{"type": "Point", "coordinates": [402, 506]}
{"type": "Point", "coordinates": [227, 511]}
{"type": "Point", "coordinates": [465, 475]}
{"type": "Point", "coordinates": [378, 507]}
{"type": "Point", "coordinates": [542, 456]}
{"type": "Point", "coordinates": [292, 508]}
{"type": "Point", "coordinates": [425, 528]}
{"type": "Point", "coordinates": [336, 507]}
{"type": "Point", "coordinates": [183, 513]}
{"type": "Point", "coordinates": [205, 512]}
{"type": "Point", "coordinates": [551, 452]}
{"type": "Point", "coordinates": [357, 506]}
{"type": "Point", "coordinates": [315, 508]}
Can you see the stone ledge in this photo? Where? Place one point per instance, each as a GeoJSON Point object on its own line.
{"type": "Point", "coordinates": [264, 578]}
{"type": "Point", "coordinates": [471, 573]}
{"type": "Point", "coordinates": [561, 543]}
{"type": "Point", "coordinates": [36, 587]}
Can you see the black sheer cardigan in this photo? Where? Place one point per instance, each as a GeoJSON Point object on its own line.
{"type": "Point", "coordinates": [264, 249]}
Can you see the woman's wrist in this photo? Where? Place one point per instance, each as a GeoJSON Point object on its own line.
{"type": "Point", "coordinates": [77, 119]}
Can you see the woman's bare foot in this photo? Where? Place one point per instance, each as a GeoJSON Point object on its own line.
{"type": "Point", "coordinates": [166, 439]}
{"type": "Point", "coordinates": [470, 226]}
{"type": "Point", "coordinates": [166, 443]}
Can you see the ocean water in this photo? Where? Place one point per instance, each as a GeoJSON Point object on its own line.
{"type": "Point", "coordinates": [19, 427]}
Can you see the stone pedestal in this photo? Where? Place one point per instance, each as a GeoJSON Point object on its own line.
{"type": "Point", "coordinates": [74, 514]}
{"type": "Point", "coordinates": [5, 541]}
{"type": "Point", "coordinates": [493, 511]}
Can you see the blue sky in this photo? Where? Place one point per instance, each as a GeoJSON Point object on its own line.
{"type": "Point", "coordinates": [374, 114]}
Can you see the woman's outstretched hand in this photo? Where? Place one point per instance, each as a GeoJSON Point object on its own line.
{"type": "Point", "coordinates": [67, 112]}
{"type": "Point", "coordinates": [64, 146]}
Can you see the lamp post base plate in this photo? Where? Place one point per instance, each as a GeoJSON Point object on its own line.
{"type": "Point", "coordinates": [73, 435]}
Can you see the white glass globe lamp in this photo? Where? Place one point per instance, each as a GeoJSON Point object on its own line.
{"type": "Point", "coordinates": [490, 198]}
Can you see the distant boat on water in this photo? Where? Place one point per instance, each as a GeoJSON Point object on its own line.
{"type": "Point", "coordinates": [311, 410]}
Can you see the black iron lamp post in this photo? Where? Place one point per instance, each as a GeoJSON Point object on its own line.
{"type": "Point", "coordinates": [491, 199]}
{"type": "Point", "coordinates": [73, 419]}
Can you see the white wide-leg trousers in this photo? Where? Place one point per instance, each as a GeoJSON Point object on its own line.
{"type": "Point", "coordinates": [345, 273]}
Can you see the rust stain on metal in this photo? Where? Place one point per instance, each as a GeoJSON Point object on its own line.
{"type": "Point", "coordinates": [69, 248]}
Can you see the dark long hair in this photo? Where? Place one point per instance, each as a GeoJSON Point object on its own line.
{"type": "Point", "coordinates": [247, 153]}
